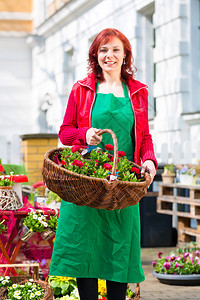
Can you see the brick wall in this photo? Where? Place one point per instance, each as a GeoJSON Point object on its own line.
{"type": "Point", "coordinates": [33, 147]}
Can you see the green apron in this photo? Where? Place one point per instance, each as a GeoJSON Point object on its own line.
{"type": "Point", "coordinates": [97, 243]}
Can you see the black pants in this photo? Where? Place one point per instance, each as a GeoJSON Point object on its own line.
{"type": "Point", "coordinates": [88, 289]}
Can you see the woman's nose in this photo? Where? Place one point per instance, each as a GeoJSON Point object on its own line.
{"type": "Point", "coordinates": [109, 53]}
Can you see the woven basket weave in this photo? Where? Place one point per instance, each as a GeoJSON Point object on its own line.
{"type": "Point", "coordinates": [89, 191]}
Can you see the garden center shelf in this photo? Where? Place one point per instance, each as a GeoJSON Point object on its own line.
{"type": "Point", "coordinates": [183, 202]}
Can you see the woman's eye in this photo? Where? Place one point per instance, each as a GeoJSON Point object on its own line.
{"type": "Point", "coordinates": [116, 50]}
{"type": "Point", "coordinates": [103, 50]}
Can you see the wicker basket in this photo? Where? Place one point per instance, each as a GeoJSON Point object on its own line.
{"type": "Point", "coordinates": [89, 191]}
{"type": "Point", "coordinates": [48, 291]}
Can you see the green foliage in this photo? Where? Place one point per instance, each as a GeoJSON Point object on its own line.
{"type": "Point", "coordinates": [5, 181]}
{"type": "Point", "coordinates": [36, 222]}
{"type": "Point", "coordinates": [98, 164]}
{"type": "Point", "coordinates": [2, 227]}
{"type": "Point", "coordinates": [62, 285]}
{"type": "Point", "coordinates": [52, 222]}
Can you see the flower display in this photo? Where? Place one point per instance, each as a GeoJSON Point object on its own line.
{"type": "Point", "coordinates": [99, 164]}
{"type": "Point", "coordinates": [6, 181]}
{"type": "Point", "coordinates": [36, 222]}
{"type": "Point", "coordinates": [63, 286]}
{"type": "Point", "coordinates": [5, 281]}
{"type": "Point", "coordinates": [184, 261]}
{"type": "Point", "coordinates": [26, 291]}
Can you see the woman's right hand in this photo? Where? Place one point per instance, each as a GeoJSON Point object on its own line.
{"type": "Point", "coordinates": [92, 138]}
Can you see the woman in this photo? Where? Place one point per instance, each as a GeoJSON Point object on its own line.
{"type": "Point", "coordinates": [96, 243]}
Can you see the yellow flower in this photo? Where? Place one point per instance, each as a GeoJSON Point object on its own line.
{"type": "Point", "coordinates": [102, 287]}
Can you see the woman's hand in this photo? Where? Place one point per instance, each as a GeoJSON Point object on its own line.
{"type": "Point", "coordinates": [92, 138]}
{"type": "Point", "coordinates": [149, 166]}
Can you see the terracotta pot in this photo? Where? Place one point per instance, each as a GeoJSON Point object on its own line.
{"type": "Point", "coordinates": [167, 178]}
{"type": "Point", "coordinates": [6, 187]}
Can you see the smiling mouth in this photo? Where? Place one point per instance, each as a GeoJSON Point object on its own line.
{"type": "Point", "coordinates": [110, 62]}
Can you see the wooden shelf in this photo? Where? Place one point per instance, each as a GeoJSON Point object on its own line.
{"type": "Point", "coordinates": [171, 201]}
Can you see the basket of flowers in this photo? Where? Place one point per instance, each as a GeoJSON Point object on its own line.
{"type": "Point", "coordinates": [25, 290]}
{"type": "Point", "coordinates": [97, 179]}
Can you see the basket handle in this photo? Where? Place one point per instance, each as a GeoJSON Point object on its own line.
{"type": "Point", "coordinates": [102, 131]}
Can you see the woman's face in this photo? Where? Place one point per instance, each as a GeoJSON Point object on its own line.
{"type": "Point", "coordinates": [111, 55]}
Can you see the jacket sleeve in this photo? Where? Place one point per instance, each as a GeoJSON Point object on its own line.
{"type": "Point", "coordinates": [146, 149]}
{"type": "Point", "coordinates": [69, 130]}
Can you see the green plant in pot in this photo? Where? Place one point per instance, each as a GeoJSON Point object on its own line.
{"type": "Point", "coordinates": [168, 175]}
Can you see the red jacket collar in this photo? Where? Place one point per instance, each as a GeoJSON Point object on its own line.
{"type": "Point", "coordinates": [133, 85]}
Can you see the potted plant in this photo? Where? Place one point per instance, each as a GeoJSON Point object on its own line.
{"type": "Point", "coordinates": [34, 222]}
{"type": "Point", "coordinates": [181, 267]}
{"type": "Point", "coordinates": [25, 290]}
{"type": "Point", "coordinates": [187, 175]}
{"type": "Point", "coordinates": [6, 183]}
{"type": "Point", "coordinates": [168, 175]}
{"type": "Point", "coordinates": [52, 222]}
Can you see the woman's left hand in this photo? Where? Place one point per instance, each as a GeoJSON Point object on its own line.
{"type": "Point", "coordinates": [149, 166]}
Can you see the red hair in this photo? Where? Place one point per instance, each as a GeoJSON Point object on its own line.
{"type": "Point", "coordinates": [127, 70]}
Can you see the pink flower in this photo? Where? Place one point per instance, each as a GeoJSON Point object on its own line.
{"type": "Point", "coordinates": [1, 168]}
{"type": "Point", "coordinates": [107, 166]}
{"type": "Point", "coordinates": [177, 265]}
{"type": "Point", "coordinates": [154, 263]}
{"type": "Point", "coordinates": [75, 148]}
{"type": "Point", "coordinates": [160, 254]}
{"type": "Point", "coordinates": [121, 153]}
{"type": "Point", "coordinates": [76, 142]}
{"type": "Point", "coordinates": [78, 163]}
{"type": "Point", "coordinates": [109, 147]}
{"type": "Point", "coordinates": [186, 254]}
{"type": "Point", "coordinates": [197, 253]}
{"type": "Point", "coordinates": [168, 258]}
{"type": "Point", "coordinates": [167, 265]}
{"type": "Point", "coordinates": [178, 258]}
{"type": "Point", "coordinates": [173, 257]}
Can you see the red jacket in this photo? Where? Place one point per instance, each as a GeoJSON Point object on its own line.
{"type": "Point", "coordinates": [77, 119]}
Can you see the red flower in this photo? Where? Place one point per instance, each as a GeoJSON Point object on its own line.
{"type": "Point", "coordinates": [121, 153]}
{"type": "Point", "coordinates": [76, 142]}
{"type": "Point", "coordinates": [107, 166]}
{"type": "Point", "coordinates": [112, 159]}
{"type": "Point", "coordinates": [136, 170]}
{"type": "Point", "coordinates": [1, 168]}
{"type": "Point", "coordinates": [19, 178]}
{"type": "Point", "coordinates": [78, 163]}
{"type": "Point", "coordinates": [63, 162]}
{"type": "Point", "coordinates": [109, 147]}
{"type": "Point", "coordinates": [75, 148]}
{"type": "Point", "coordinates": [5, 218]}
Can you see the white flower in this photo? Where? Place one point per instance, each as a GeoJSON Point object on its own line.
{"type": "Point", "coordinates": [45, 224]}
{"type": "Point", "coordinates": [18, 297]}
{"type": "Point", "coordinates": [29, 283]}
{"type": "Point", "coordinates": [4, 281]}
{"type": "Point", "coordinates": [31, 280]}
{"type": "Point", "coordinates": [7, 277]}
{"type": "Point", "coordinates": [35, 217]}
{"type": "Point", "coordinates": [32, 295]}
{"type": "Point", "coordinates": [14, 286]}
{"type": "Point", "coordinates": [16, 293]}
{"type": "Point", "coordinates": [38, 293]}
{"type": "Point", "coordinates": [40, 219]}
{"type": "Point", "coordinates": [190, 255]}
{"type": "Point", "coordinates": [1, 278]}
{"type": "Point", "coordinates": [196, 257]}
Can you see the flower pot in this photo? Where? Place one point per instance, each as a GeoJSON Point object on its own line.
{"type": "Point", "coordinates": [186, 179]}
{"type": "Point", "coordinates": [25, 233]}
{"type": "Point", "coordinates": [193, 279]}
{"type": "Point", "coordinates": [167, 178]}
{"type": "Point", "coordinates": [47, 234]}
{"type": "Point", "coordinates": [6, 187]}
